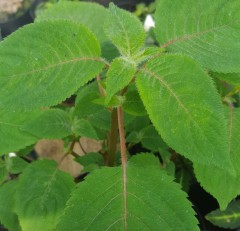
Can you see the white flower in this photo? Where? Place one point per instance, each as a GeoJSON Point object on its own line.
{"type": "Point", "coordinates": [12, 154]}
{"type": "Point", "coordinates": [148, 23]}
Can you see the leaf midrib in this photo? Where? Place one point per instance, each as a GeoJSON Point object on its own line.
{"type": "Point", "coordinates": [57, 65]}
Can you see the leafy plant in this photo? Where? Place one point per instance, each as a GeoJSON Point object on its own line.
{"type": "Point", "coordinates": [177, 100]}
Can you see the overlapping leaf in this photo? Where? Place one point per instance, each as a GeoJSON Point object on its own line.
{"type": "Point", "coordinates": [208, 31]}
{"type": "Point", "coordinates": [8, 217]}
{"type": "Point", "coordinates": [185, 108]}
{"type": "Point", "coordinates": [41, 196]}
{"type": "Point", "coordinates": [229, 219]}
{"type": "Point", "coordinates": [119, 75]}
{"type": "Point", "coordinates": [55, 58]}
{"type": "Point", "coordinates": [124, 30]}
{"type": "Point", "coordinates": [12, 137]}
{"type": "Point", "coordinates": [50, 124]}
{"type": "Point", "coordinates": [153, 201]}
{"type": "Point", "coordinates": [223, 186]}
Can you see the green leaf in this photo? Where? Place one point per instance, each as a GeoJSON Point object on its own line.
{"type": "Point", "coordinates": [124, 30]}
{"type": "Point", "coordinates": [82, 127]}
{"type": "Point", "coordinates": [98, 202]}
{"type": "Point", "coordinates": [15, 165]}
{"type": "Point", "coordinates": [151, 139]}
{"type": "Point", "coordinates": [89, 14]}
{"type": "Point", "coordinates": [62, 57]}
{"type": "Point", "coordinates": [12, 137]}
{"type": "Point", "coordinates": [90, 161]}
{"type": "Point", "coordinates": [231, 78]}
{"type": "Point", "coordinates": [229, 218]}
{"type": "Point", "coordinates": [145, 160]}
{"type": "Point", "coordinates": [41, 196]}
{"type": "Point", "coordinates": [8, 217]}
{"type": "Point", "coordinates": [223, 186]}
{"type": "Point", "coordinates": [50, 124]}
{"type": "Point", "coordinates": [207, 31]}
{"type": "Point", "coordinates": [186, 109]}
{"type": "Point", "coordinates": [3, 171]}
{"type": "Point", "coordinates": [119, 75]}
{"type": "Point", "coordinates": [132, 103]}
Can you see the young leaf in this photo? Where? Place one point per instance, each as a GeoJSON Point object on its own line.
{"type": "Point", "coordinates": [151, 195]}
{"type": "Point", "coordinates": [185, 108]}
{"type": "Point", "coordinates": [8, 217]}
{"type": "Point", "coordinates": [119, 75]}
{"type": "Point", "coordinates": [41, 196]}
{"type": "Point", "coordinates": [228, 187]}
{"type": "Point", "coordinates": [207, 31]}
{"type": "Point", "coordinates": [49, 68]}
{"type": "Point", "coordinates": [50, 124]}
{"type": "Point", "coordinates": [82, 127]}
{"type": "Point", "coordinates": [12, 137]}
{"type": "Point", "coordinates": [124, 30]}
{"type": "Point", "coordinates": [229, 218]}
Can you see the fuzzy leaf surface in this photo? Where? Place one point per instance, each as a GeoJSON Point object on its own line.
{"type": "Point", "coordinates": [231, 78]}
{"type": "Point", "coordinates": [49, 68]}
{"type": "Point", "coordinates": [208, 31]}
{"type": "Point", "coordinates": [119, 76]}
{"type": "Point", "coordinates": [229, 218]}
{"type": "Point", "coordinates": [50, 124]}
{"type": "Point", "coordinates": [98, 204]}
{"type": "Point", "coordinates": [8, 218]}
{"type": "Point", "coordinates": [124, 30]}
{"type": "Point", "coordinates": [89, 14]}
{"type": "Point", "coordinates": [12, 137]}
{"type": "Point", "coordinates": [223, 189]}
{"type": "Point", "coordinates": [41, 196]}
{"type": "Point", "coordinates": [185, 108]}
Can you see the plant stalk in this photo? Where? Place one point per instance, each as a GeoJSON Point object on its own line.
{"type": "Point", "coordinates": [124, 161]}
{"type": "Point", "coordinates": [112, 139]}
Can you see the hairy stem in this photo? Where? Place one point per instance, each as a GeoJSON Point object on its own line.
{"type": "Point", "coordinates": [124, 161]}
{"type": "Point", "coordinates": [112, 139]}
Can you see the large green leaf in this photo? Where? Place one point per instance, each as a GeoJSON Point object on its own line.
{"type": "Point", "coordinates": [185, 108]}
{"type": "Point", "coordinates": [8, 217]}
{"type": "Point", "coordinates": [12, 137]}
{"type": "Point", "coordinates": [153, 201]}
{"type": "Point", "coordinates": [119, 75]}
{"type": "Point", "coordinates": [223, 186]}
{"type": "Point", "coordinates": [208, 31]}
{"type": "Point", "coordinates": [45, 70]}
{"type": "Point", "coordinates": [89, 14]}
{"type": "Point", "coordinates": [50, 124]}
{"type": "Point", "coordinates": [230, 218]}
{"type": "Point", "coordinates": [41, 195]}
{"type": "Point", "coordinates": [124, 30]}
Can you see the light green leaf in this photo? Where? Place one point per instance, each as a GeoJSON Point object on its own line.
{"type": "Point", "coordinates": [41, 196]}
{"type": "Point", "coordinates": [145, 160]}
{"type": "Point", "coordinates": [186, 109]}
{"type": "Point", "coordinates": [89, 14]}
{"type": "Point", "coordinates": [50, 124]}
{"type": "Point", "coordinates": [124, 30]}
{"type": "Point", "coordinates": [12, 137]}
{"type": "Point", "coordinates": [223, 186]}
{"type": "Point", "coordinates": [82, 127]}
{"type": "Point", "coordinates": [208, 31]}
{"type": "Point", "coordinates": [8, 217]}
{"type": "Point", "coordinates": [119, 75]}
{"type": "Point", "coordinates": [229, 218]}
{"type": "Point", "coordinates": [98, 202]}
{"type": "Point", "coordinates": [49, 68]}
